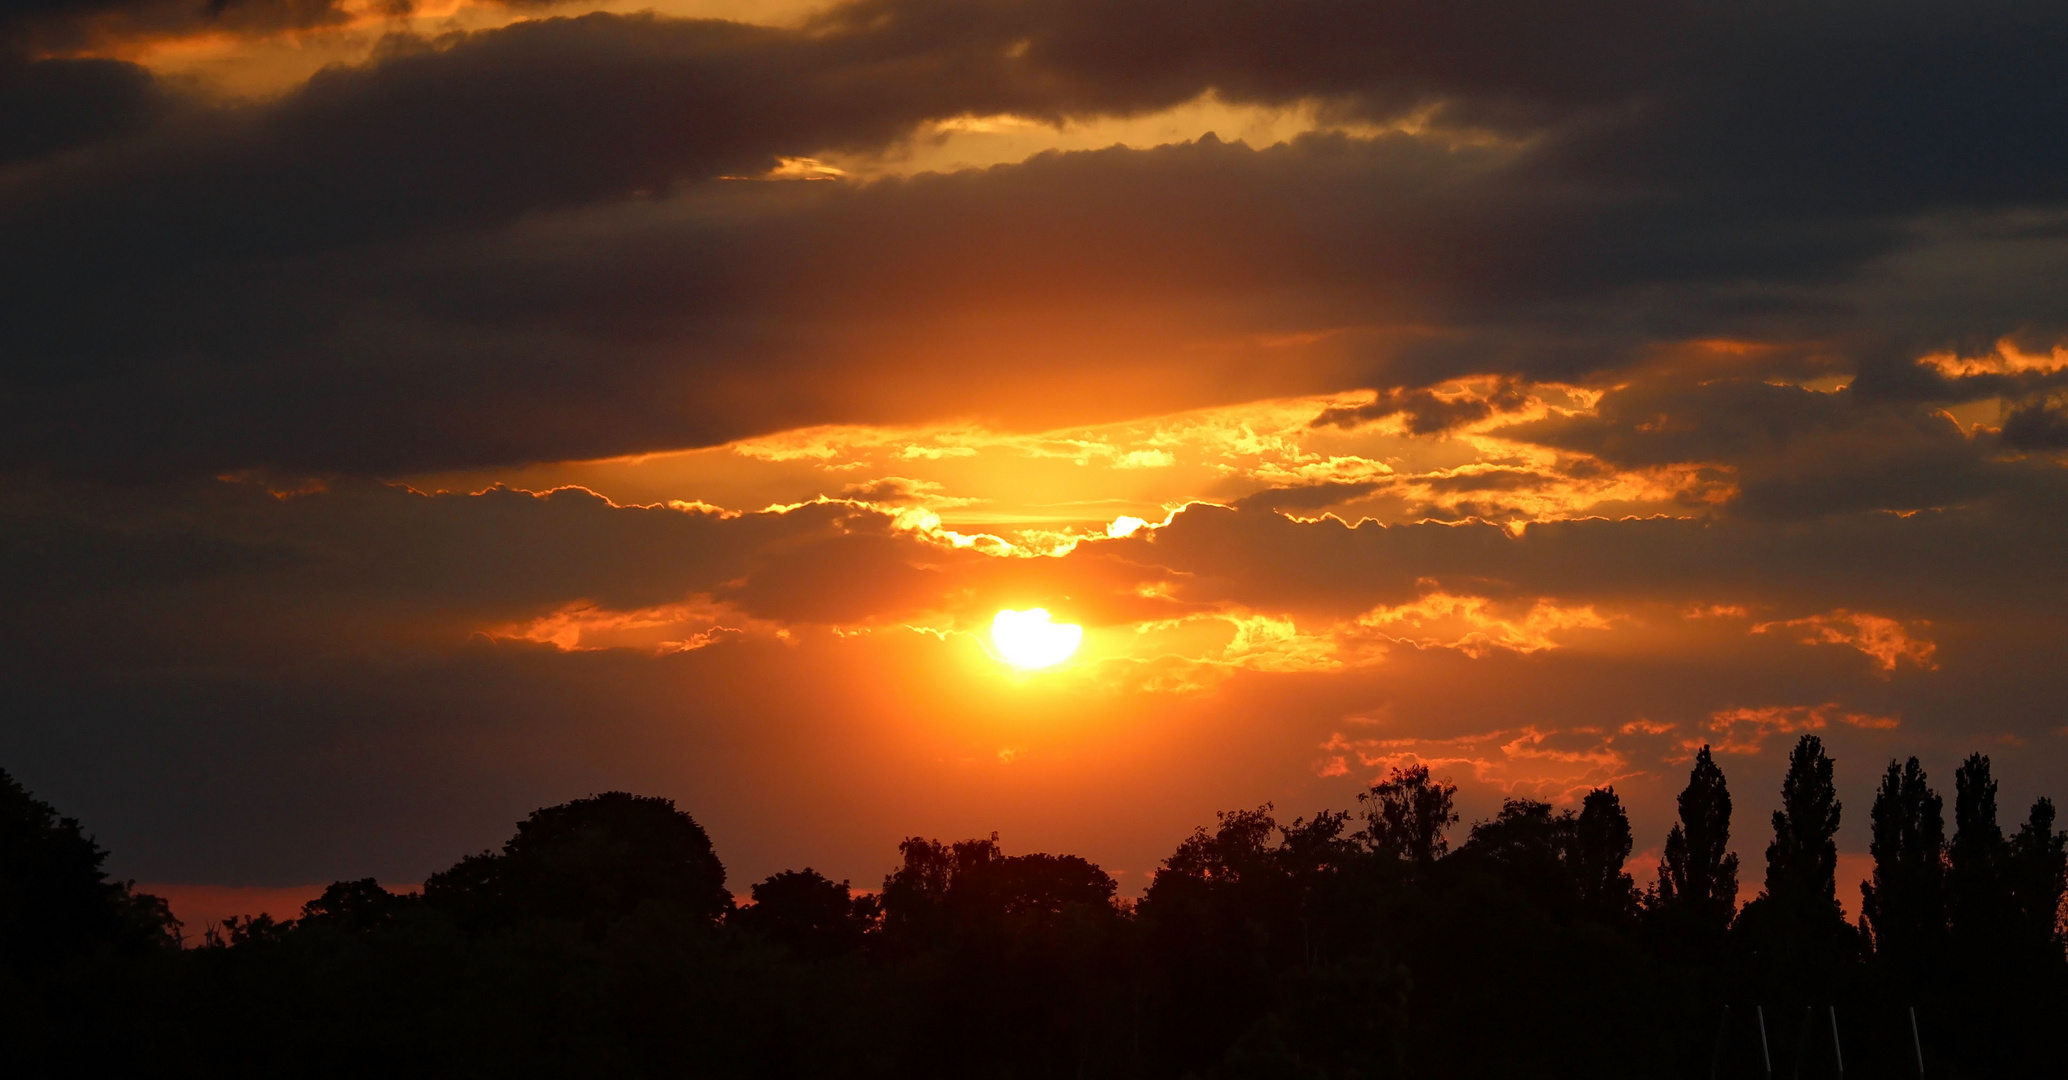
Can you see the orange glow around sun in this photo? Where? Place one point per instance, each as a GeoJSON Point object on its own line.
{"type": "Point", "coordinates": [1027, 639]}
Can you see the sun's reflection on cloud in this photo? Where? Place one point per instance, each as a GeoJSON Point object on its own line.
{"type": "Point", "coordinates": [1350, 455]}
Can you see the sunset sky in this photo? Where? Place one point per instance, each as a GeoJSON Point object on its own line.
{"type": "Point", "coordinates": [412, 415]}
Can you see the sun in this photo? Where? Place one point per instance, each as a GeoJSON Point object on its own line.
{"type": "Point", "coordinates": [1028, 640]}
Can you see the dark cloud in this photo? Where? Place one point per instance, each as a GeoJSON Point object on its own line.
{"type": "Point", "coordinates": [72, 25]}
{"type": "Point", "coordinates": [1838, 105]}
{"type": "Point", "coordinates": [1307, 497]}
{"type": "Point", "coordinates": [51, 105]}
{"type": "Point", "coordinates": [1975, 564]}
{"type": "Point", "coordinates": [1489, 480]}
{"type": "Point", "coordinates": [891, 489]}
{"type": "Point", "coordinates": [189, 574]}
{"type": "Point", "coordinates": [287, 277]}
{"type": "Point", "coordinates": [1426, 413]}
{"type": "Point", "coordinates": [740, 309]}
{"type": "Point", "coordinates": [1793, 452]}
{"type": "Point", "coordinates": [2038, 426]}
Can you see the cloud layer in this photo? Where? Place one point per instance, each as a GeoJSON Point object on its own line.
{"type": "Point", "coordinates": [515, 244]}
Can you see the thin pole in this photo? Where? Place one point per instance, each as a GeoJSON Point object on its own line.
{"type": "Point", "coordinates": [1837, 1051]}
{"type": "Point", "coordinates": [1916, 1041]}
{"type": "Point", "coordinates": [1722, 1028]}
{"type": "Point", "coordinates": [1766, 1059]}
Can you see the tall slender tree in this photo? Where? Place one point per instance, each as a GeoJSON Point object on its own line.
{"type": "Point", "coordinates": [1977, 889]}
{"type": "Point", "coordinates": [1794, 935]}
{"type": "Point", "coordinates": [1905, 903]}
{"type": "Point", "coordinates": [1601, 845]}
{"type": "Point", "coordinates": [1698, 877]}
{"type": "Point", "coordinates": [1996, 974]}
{"type": "Point", "coordinates": [1802, 860]}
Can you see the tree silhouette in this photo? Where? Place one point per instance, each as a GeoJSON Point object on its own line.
{"type": "Point", "coordinates": [1525, 830]}
{"type": "Point", "coordinates": [1564, 860]}
{"type": "Point", "coordinates": [1802, 860]}
{"type": "Point", "coordinates": [915, 895]}
{"type": "Point", "coordinates": [1905, 903]}
{"type": "Point", "coordinates": [806, 912]}
{"type": "Point", "coordinates": [1697, 890]}
{"type": "Point", "coordinates": [1223, 916]}
{"type": "Point", "coordinates": [1600, 847]}
{"type": "Point", "coordinates": [56, 903]}
{"type": "Point", "coordinates": [2022, 985]}
{"type": "Point", "coordinates": [71, 945]}
{"type": "Point", "coordinates": [1996, 969]}
{"type": "Point", "coordinates": [591, 861]}
{"type": "Point", "coordinates": [1239, 849]}
{"type": "Point", "coordinates": [1315, 847]}
{"type": "Point", "coordinates": [1035, 886]}
{"type": "Point", "coordinates": [972, 885]}
{"type": "Point", "coordinates": [593, 943]}
{"type": "Point", "coordinates": [1793, 938]}
{"type": "Point", "coordinates": [1408, 814]}
{"type": "Point", "coordinates": [354, 907]}
{"type": "Point", "coordinates": [1529, 847]}
{"type": "Point", "coordinates": [1023, 946]}
{"type": "Point", "coordinates": [1978, 895]}
{"type": "Point", "coordinates": [2038, 872]}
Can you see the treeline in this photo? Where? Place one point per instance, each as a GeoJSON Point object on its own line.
{"type": "Point", "coordinates": [602, 940]}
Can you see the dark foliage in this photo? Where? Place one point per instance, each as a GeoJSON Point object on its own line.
{"type": "Point", "coordinates": [1407, 815]}
{"type": "Point", "coordinates": [71, 941]}
{"type": "Point", "coordinates": [1905, 904]}
{"type": "Point", "coordinates": [2038, 872]}
{"type": "Point", "coordinates": [804, 911]}
{"type": "Point", "coordinates": [1697, 891]}
{"type": "Point", "coordinates": [1802, 861]}
{"type": "Point", "coordinates": [600, 941]}
{"type": "Point", "coordinates": [1601, 845]}
{"type": "Point", "coordinates": [56, 903]}
{"type": "Point", "coordinates": [1793, 941]}
{"type": "Point", "coordinates": [590, 862]}
{"type": "Point", "coordinates": [1977, 861]}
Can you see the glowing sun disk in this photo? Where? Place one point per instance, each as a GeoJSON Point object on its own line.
{"type": "Point", "coordinates": [1027, 639]}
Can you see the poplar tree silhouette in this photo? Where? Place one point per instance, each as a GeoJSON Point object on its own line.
{"type": "Point", "coordinates": [1997, 971]}
{"type": "Point", "coordinates": [1802, 860]}
{"type": "Point", "coordinates": [1905, 903]}
{"type": "Point", "coordinates": [1978, 896]}
{"type": "Point", "coordinates": [1794, 936]}
{"type": "Point", "coordinates": [1697, 891]}
{"type": "Point", "coordinates": [1408, 814]}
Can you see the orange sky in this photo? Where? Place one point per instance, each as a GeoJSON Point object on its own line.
{"type": "Point", "coordinates": [420, 414]}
